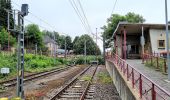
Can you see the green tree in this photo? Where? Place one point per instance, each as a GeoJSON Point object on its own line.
{"type": "Point", "coordinates": [5, 5]}
{"type": "Point", "coordinates": [33, 36]}
{"type": "Point", "coordinates": [91, 46]}
{"type": "Point", "coordinates": [4, 35]}
{"type": "Point", "coordinates": [62, 41]}
{"type": "Point", "coordinates": [75, 40]}
{"type": "Point", "coordinates": [69, 43]}
{"type": "Point", "coordinates": [113, 21]}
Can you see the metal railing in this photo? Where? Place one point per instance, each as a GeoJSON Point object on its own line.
{"type": "Point", "coordinates": [147, 89]}
{"type": "Point", "coordinates": [156, 60]}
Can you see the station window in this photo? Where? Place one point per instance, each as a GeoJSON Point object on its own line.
{"type": "Point", "coordinates": [161, 44]}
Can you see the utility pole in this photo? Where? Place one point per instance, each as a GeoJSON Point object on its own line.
{"type": "Point", "coordinates": [8, 22]}
{"type": "Point", "coordinates": [35, 48]}
{"type": "Point", "coordinates": [85, 53]}
{"type": "Point", "coordinates": [167, 39]}
{"type": "Point", "coordinates": [20, 78]}
{"type": "Point", "coordinates": [20, 47]}
{"type": "Point", "coordinates": [65, 49]}
{"type": "Point", "coordinates": [142, 43]}
{"type": "Point", "coordinates": [54, 50]}
{"type": "Point", "coordinates": [96, 44]}
{"type": "Point", "coordinates": [104, 47]}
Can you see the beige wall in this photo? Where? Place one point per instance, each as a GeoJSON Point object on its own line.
{"type": "Point", "coordinates": [156, 35]}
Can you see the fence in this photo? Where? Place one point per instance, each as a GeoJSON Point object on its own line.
{"type": "Point", "coordinates": [147, 89]}
{"type": "Point", "coordinates": [157, 61]}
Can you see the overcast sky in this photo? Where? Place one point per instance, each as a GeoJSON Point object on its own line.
{"type": "Point", "coordinates": [61, 15]}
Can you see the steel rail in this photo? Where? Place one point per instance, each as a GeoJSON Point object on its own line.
{"type": "Point", "coordinates": [69, 84]}
{"type": "Point", "coordinates": [13, 82]}
{"type": "Point", "coordinates": [87, 87]}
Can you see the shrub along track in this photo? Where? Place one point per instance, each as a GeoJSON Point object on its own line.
{"type": "Point", "coordinates": [78, 88]}
{"type": "Point", "coordinates": [13, 82]}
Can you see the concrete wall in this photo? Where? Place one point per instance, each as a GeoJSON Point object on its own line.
{"type": "Point", "coordinates": [121, 86]}
{"type": "Point", "coordinates": [119, 45]}
{"type": "Point", "coordinates": [156, 35]}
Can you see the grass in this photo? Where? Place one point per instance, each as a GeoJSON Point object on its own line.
{"type": "Point", "coordinates": [153, 64]}
{"type": "Point", "coordinates": [86, 77]}
{"type": "Point", "coordinates": [104, 78]}
{"type": "Point", "coordinates": [33, 63]}
{"type": "Point", "coordinates": [89, 58]}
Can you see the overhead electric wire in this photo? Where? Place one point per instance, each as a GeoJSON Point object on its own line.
{"type": "Point", "coordinates": [41, 20]}
{"type": "Point", "coordinates": [82, 16]}
{"type": "Point", "coordinates": [73, 4]}
{"type": "Point", "coordinates": [114, 6]}
{"type": "Point", "coordinates": [85, 16]}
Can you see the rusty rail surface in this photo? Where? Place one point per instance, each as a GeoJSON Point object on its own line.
{"type": "Point", "coordinates": [13, 82]}
{"type": "Point", "coordinates": [73, 81]}
{"type": "Point", "coordinates": [147, 89]}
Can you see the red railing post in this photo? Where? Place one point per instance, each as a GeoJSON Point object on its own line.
{"type": "Point", "coordinates": [133, 80]}
{"type": "Point", "coordinates": [121, 65]}
{"type": "Point", "coordinates": [153, 92]}
{"type": "Point", "coordinates": [142, 58]}
{"type": "Point", "coordinates": [124, 67]}
{"type": "Point", "coordinates": [140, 86]}
{"type": "Point", "coordinates": [157, 63]}
{"type": "Point", "coordinates": [127, 72]}
{"type": "Point", "coordinates": [165, 69]}
{"type": "Point", "coordinates": [151, 59]}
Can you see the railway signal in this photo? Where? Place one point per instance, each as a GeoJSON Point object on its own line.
{"type": "Point", "coordinates": [20, 48]}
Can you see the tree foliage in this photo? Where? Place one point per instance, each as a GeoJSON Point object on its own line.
{"type": "Point", "coordinates": [5, 5]}
{"type": "Point", "coordinates": [69, 43]}
{"type": "Point", "coordinates": [91, 47]}
{"type": "Point", "coordinates": [33, 36]}
{"type": "Point", "coordinates": [4, 36]}
{"type": "Point", "coordinates": [113, 21]}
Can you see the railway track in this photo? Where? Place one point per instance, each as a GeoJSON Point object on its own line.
{"type": "Point", "coordinates": [78, 88]}
{"type": "Point", "coordinates": [13, 82]}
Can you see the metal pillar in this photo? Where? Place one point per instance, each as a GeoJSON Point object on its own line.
{"type": "Point", "coordinates": [85, 53]}
{"type": "Point", "coordinates": [20, 66]}
{"type": "Point", "coordinates": [142, 43]}
{"type": "Point", "coordinates": [167, 39]}
{"type": "Point", "coordinates": [104, 49]}
{"type": "Point", "coordinates": [96, 44]}
{"type": "Point", "coordinates": [124, 43]}
{"type": "Point", "coordinates": [121, 45]}
{"type": "Point", "coordinates": [65, 48]}
{"type": "Point", "coordinates": [116, 47]}
{"type": "Point", "coordinates": [8, 23]}
{"type": "Point", "coordinates": [36, 49]}
{"type": "Point", "coordinates": [55, 49]}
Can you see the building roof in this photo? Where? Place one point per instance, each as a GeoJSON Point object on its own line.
{"type": "Point", "coordinates": [47, 39]}
{"type": "Point", "coordinates": [134, 28]}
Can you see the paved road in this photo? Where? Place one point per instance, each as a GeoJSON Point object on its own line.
{"type": "Point", "coordinates": [155, 76]}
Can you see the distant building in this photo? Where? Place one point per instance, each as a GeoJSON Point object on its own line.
{"type": "Point", "coordinates": [50, 44]}
{"type": "Point", "coordinates": [130, 35]}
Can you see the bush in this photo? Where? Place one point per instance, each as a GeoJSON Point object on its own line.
{"type": "Point", "coordinates": [33, 63]}
{"type": "Point", "coordinates": [81, 59]}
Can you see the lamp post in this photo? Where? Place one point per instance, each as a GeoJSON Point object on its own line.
{"type": "Point", "coordinates": [167, 39]}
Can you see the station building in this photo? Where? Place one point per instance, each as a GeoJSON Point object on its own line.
{"type": "Point", "coordinates": [129, 38]}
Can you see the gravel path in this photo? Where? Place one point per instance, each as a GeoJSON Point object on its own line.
{"type": "Point", "coordinates": [104, 91]}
